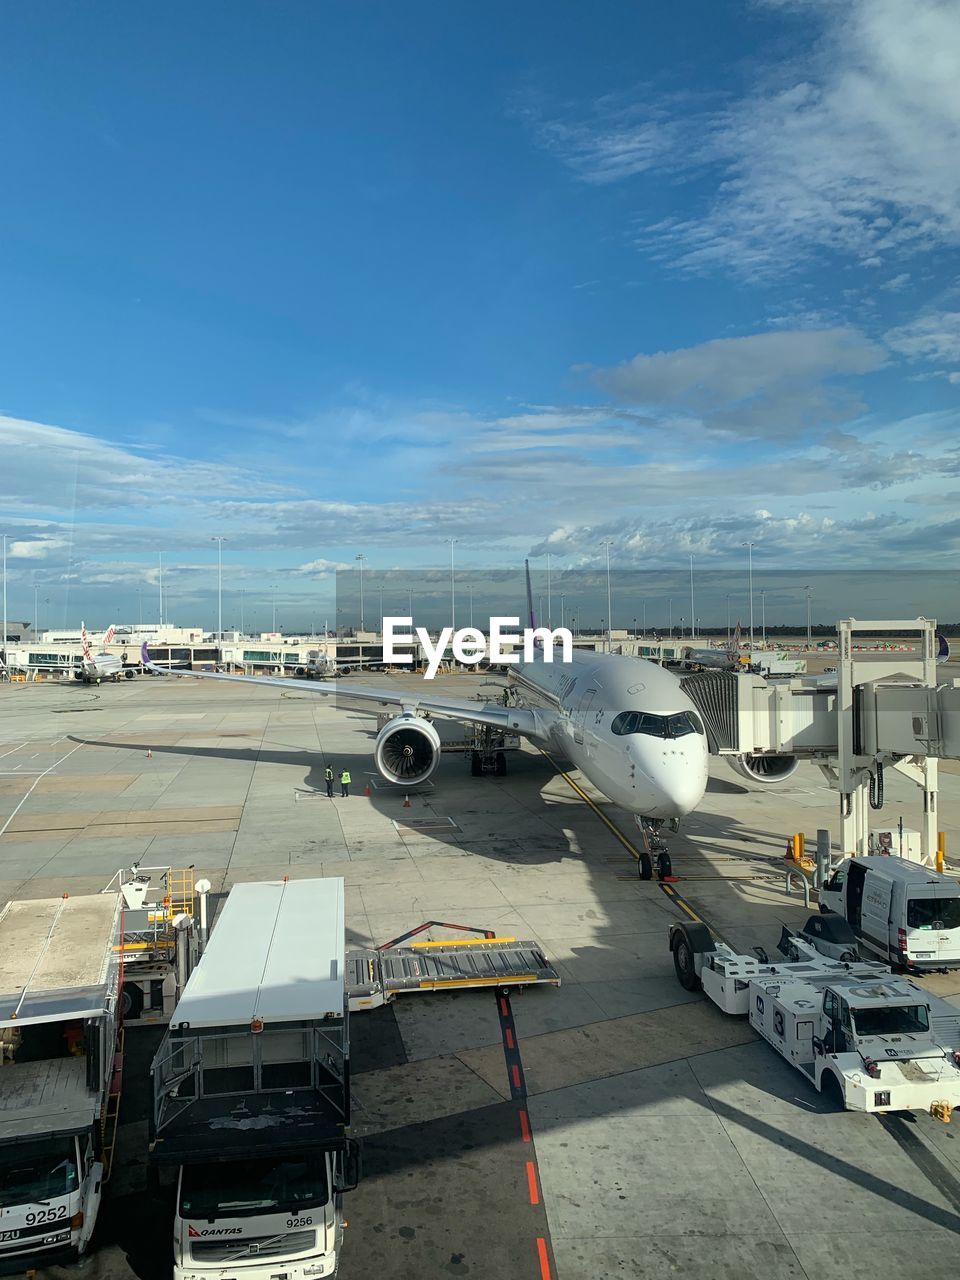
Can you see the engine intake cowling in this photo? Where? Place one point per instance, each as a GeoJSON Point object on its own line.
{"type": "Point", "coordinates": [407, 750]}
{"type": "Point", "coordinates": [768, 770]}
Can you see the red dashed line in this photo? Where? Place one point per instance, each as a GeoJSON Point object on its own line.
{"type": "Point", "coordinates": [544, 1258]}
{"type": "Point", "coordinates": [532, 1183]}
{"type": "Point", "coordinates": [504, 1007]}
{"type": "Point", "coordinates": [511, 1043]}
{"type": "Point", "coordinates": [524, 1126]}
{"type": "Point", "coordinates": [515, 1073]}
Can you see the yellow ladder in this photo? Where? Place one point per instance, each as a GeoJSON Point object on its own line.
{"type": "Point", "coordinates": [179, 896]}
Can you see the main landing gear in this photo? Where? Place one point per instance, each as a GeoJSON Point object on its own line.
{"type": "Point", "coordinates": [654, 856]}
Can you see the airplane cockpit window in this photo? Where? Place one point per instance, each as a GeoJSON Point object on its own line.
{"type": "Point", "coordinates": [684, 722]}
{"type": "Point", "coordinates": [675, 726]}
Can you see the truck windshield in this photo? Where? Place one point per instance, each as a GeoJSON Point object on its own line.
{"type": "Point", "coordinates": [32, 1172]}
{"type": "Point", "coordinates": [901, 1019]}
{"type": "Point", "coordinates": [278, 1185]}
{"type": "Point", "coordinates": [933, 913]}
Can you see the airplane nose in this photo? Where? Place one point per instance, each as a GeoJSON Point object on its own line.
{"type": "Point", "coordinates": [675, 778]}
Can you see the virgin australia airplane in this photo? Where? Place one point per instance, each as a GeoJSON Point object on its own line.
{"type": "Point", "coordinates": [98, 666]}
{"type": "Point", "coordinates": [625, 723]}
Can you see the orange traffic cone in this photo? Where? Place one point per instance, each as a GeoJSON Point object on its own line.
{"type": "Point", "coordinates": [406, 802]}
{"type": "Point", "coordinates": [366, 789]}
{"type": "Point", "coordinates": [149, 754]}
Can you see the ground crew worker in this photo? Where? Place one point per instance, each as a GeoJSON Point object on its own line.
{"type": "Point", "coordinates": [328, 774]}
{"type": "Point", "coordinates": [345, 782]}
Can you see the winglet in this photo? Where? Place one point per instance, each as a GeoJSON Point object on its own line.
{"type": "Point", "coordinates": [943, 648]}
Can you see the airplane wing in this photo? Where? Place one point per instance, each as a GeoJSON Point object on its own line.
{"type": "Point", "coordinates": [530, 723]}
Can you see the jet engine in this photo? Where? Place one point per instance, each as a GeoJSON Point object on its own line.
{"type": "Point", "coordinates": [770, 770]}
{"type": "Point", "coordinates": [407, 750]}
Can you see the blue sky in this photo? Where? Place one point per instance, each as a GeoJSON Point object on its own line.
{"type": "Point", "coordinates": [332, 278]}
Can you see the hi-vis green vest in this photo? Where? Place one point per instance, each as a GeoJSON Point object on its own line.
{"type": "Point", "coordinates": [345, 776]}
{"type": "Point", "coordinates": [328, 774]}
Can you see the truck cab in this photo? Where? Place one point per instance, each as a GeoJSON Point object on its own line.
{"type": "Point", "coordinates": [239, 1219]}
{"type": "Point", "coordinates": [49, 1197]}
{"type": "Point", "coordinates": [907, 914]}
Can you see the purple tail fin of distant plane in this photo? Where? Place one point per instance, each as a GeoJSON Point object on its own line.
{"type": "Point", "coordinates": [943, 648]}
{"type": "Point", "coordinates": [145, 654]}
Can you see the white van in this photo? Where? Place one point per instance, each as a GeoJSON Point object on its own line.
{"type": "Point", "coordinates": [907, 914]}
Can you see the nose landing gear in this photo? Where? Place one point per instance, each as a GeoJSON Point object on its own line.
{"type": "Point", "coordinates": [654, 855]}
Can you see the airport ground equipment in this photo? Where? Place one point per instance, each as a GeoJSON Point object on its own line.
{"type": "Point", "coordinates": [59, 1072]}
{"type": "Point", "coordinates": [251, 1090]}
{"type": "Point", "coordinates": [829, 934]}
{"type": "Point", "coordinates": [878, 710]}
{"type": "Point", "coordinates": [904, 913]}
{"type": "Point", "coordinates": [161, 938]}
{"type": "Point", "coordinates": [376, 977]}
{"type": "Point", "coordinates": [865, 1038]}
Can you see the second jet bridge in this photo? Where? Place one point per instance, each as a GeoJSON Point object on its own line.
{"type": "Point", "coordinates": [876, 710]}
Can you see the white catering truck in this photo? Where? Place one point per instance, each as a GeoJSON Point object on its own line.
{"type": "Point", "coordinates": [251, 1090]}
{"type": "Point", "coordinates": [869, 1040]}
{"type": "Point", "coordinates": [59, 987]}
{"type": "Point", "coordinates": [905, 913]}
{"type": "Point", "coordinates": [72, 971]}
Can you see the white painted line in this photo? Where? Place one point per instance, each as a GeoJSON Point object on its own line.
{"type": "Point", "coordinates": [18, 747]}
{"type": "Point", "coordinates": [30, 792]}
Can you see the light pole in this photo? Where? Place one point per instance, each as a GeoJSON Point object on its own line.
{"type": "Point", "coordinates": [728, 619]}
{"type": "Point", "coordinates": [36, 610]}
{"type": "Point", "coordinates": [219, 540]}
{"type": "Point", "coordinates": [470, 589]}
{"type": "Point", "coordinates": [160, 554]}
{"type": "Point", "coordinates": [692, 611]}
{"type": "Point", "coordinates": [549, 597]}
{"type": "Point", "coordinates": [410, 602]}
{"type": "Point", "coordinates": [453, 603]}
{"type": "Point", "coordinates": [274, 590]}
{"type": "Point", "coordinates": [634, 628]}
{"type": "Point", "coordinates": [380, 589]}
{"type": "Point", "coordinates": [671, 618]}
{"type": "Point", "coordinates": [750, 546]}
{"type": "Point", "coordinates": [643, 619]}
{"type": "Point", "coordinates": [140, 605]}
{"type": "Point", "coordinates": [6, 665]}
{"type": "Point", "coordinates": [608, 544]}
{"type": "Point", "coordinates": [763, 616]}
{"type": "Point", "coordinates": [361, 557]}
{"type": "Point", "coordinates": [562, 600]}
{"type": "Point", "coordinates": [809, 591]}
{"type": "Point", "coordinates": [682, 620]}
{"type": "Point", "coordinates": [242, 593]}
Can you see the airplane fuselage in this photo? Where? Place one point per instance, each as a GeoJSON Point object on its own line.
{"type": "Point", "coordinates": [626, 724]}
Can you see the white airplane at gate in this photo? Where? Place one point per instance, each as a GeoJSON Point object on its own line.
{"type": "Point", "coordinates": [625, 723]}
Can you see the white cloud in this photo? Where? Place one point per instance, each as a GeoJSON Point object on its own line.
{"type": "Point", "coordinates": [762, 385]}
{"type": "Point", "coordinates": [853, 149]}
{"type": "Point", "coordinates": [933, 336]}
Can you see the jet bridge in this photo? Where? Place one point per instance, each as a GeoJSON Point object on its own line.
{"type": "Point", "coordinates": [878, 710]}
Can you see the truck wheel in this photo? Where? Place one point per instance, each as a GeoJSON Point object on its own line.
{"type": "Point", "coordinates": [831, 1091]}
{"type": "Point", "coordinates": [131, 1002]}
{"type": "Point", "coordinates": [645, 866]}
{"type": "Point", "coordinates": [683, 962]}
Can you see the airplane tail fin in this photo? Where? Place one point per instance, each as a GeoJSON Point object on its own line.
{"type": "Point", "coordinates": [144, 654]}
{"type": "Point", "coordinates": [85, 642]}
{"type": "Point", "coordinates": [735, 644]}
{"type": "Point", "coordinates": [110, 633]}
{"type": "Point", "coordinates": [943, 648]}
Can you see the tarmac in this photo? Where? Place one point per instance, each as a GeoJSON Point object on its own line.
{"type": "Point", "coordinates": [615, 1127]}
